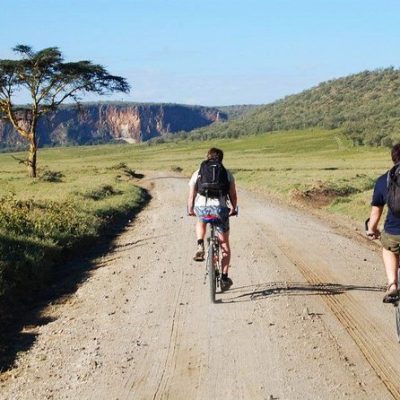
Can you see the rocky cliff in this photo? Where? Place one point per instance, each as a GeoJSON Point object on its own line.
{"type": "Point", "coordinates": [101, 123]}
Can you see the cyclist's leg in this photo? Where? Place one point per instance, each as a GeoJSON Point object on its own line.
{"type": "Point", "coordinates": [200, 234]}
{"type": "Point", "coordinates": [200, 229]}
{"type": "Point", "coordinates": [223, 238]}
{"type": "Point", "coordinates": [391, 262]}
{"type": "Point", "coordinates": [225, 281]}
{"type": "Point", "coordinates": [390, 255]}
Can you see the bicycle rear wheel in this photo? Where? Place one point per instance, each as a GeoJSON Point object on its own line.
{"type": "Point", "coordinates": [211, 271]}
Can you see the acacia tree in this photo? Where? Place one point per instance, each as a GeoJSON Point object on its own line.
{"type": "Point", "coordinates": [49, 81]}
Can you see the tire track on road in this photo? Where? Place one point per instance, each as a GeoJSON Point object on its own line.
{"type": "Point", "coordinates": [170, 360]}
{"type": "Point", "coordinates": [372, 341]}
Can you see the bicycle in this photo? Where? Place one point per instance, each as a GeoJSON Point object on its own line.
{"type": "Point", "coordinates": [396, 301]}
{"type": "Point", "coordinates": [213, 259]}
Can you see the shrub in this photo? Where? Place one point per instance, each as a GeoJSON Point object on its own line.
{"type": "Point", "coordinates": [120, 165]}
{"type": "Point", "coordinates": [51, 176]}
{"type": "Point", "coordinates": [101, 193]}
{"type": "Point", "coordinates": [126, 170]}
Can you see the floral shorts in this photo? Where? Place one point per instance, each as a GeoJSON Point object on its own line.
{"type": "Point", "coordinates": [222, 225]}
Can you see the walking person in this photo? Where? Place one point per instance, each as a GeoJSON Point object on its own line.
{"type": "Point", "coordinates": [212, 191]}
{"type": "Point", "coordinates": [385, 194]}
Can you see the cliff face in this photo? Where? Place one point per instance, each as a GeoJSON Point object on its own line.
{"type": "Point", "coordinates": [105, 122]}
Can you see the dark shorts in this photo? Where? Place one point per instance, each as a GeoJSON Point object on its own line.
{"type": "Point", "coordinates": [390, 242]}
{"type": "Point", "coordinates": [222, 225]}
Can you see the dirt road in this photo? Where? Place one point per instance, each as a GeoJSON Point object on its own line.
{"type": "Point", "coordinates": [304, 319]}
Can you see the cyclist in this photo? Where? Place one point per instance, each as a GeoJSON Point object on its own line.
{"type": "Point", "coordinates": [390, 237]}
{"type": "Point", "coordinates": [223, 206]}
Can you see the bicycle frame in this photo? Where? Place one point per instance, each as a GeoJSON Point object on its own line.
{"type": "Point", "coordinates": [213, 261]}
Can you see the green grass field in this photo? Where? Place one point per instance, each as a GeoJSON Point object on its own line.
{"type": "Point", "coordinates": [277, 163]}
{"type": "Point", "coordinates": [80, 189]}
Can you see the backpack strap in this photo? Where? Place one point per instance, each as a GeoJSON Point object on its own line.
{"type": "Point", "coordinates": [392, 173]}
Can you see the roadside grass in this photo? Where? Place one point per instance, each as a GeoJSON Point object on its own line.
{"type": "Point", "coordinates": [91, 186]}
{"type": "Point", "coordinates": [45, 221]}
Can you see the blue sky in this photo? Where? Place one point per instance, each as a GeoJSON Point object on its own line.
{"type": "Point", "coordinates": [211, 52]}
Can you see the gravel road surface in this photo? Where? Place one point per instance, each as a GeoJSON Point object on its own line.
{"type": "Point", "coordinates": [303, 320]}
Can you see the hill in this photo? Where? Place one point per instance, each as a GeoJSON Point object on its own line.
{"type": "Point", "coordinates": [237, 111]}
{"type": "Point", "coordinates": [366, 106]}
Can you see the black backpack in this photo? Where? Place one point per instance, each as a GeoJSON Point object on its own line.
{"type": "Point", "coordinates": [393, 187]}
{"type": "Point", "coordinates": [212, 180]}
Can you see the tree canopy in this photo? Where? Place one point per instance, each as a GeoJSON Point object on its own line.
{"type": "Point", "coordinates": [49, 81]}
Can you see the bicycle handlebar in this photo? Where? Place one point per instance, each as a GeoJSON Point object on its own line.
{"type": "Point", "coordinates": [234, 214]}
{"type": "Point", "coordinates": [366, 224]}
{"type": "Point", "coordinates": [370, 235]}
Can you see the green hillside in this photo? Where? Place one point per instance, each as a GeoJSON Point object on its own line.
{"type": "Point", "coordinates": [366, 106]}
{"type": "Point", "coordinates": [237, 111]}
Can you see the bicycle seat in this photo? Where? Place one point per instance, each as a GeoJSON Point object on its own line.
{"type": "Point", "coordinates": [210, 218]}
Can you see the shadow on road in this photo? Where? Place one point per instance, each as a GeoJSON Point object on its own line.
{"type": "Point", "coordinates": [274, 289]}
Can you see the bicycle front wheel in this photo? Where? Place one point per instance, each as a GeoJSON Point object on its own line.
{"type": "Point", "coordinates": [211, 271]}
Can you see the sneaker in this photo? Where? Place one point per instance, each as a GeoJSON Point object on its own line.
{"type": "Point", "coordinates": [392, 293]}
{"type": "Point", "coordinates": [226, 283]}
{"type": "Point", "coordinates": [199, 256]}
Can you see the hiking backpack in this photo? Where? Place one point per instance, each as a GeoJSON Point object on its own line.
{"type": "Point", "coordinates": [212, 180]}
{"type": "Point", "coordinates": [393, 190]}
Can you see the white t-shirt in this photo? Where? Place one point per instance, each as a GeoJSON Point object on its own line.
{"type": "Point", "coordinates": [201, 201]}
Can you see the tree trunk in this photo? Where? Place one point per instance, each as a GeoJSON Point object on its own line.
{"type": "Point", "coordinates": [31, 162]}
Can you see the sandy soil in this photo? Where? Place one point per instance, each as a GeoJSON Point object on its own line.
{"type": "Point", "coordinates": [304, 319]}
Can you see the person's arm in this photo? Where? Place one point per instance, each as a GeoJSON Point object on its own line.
{"type": "Point", "coordinates": [192, 194]}
{"type": "Point", "coordinates": [377, 204]}
{"type": "Point", "coordinates": [190, 201]}
{"type": "Point", "coordinates": [375, 216]}
{"type": "Point", "coordinates": [232, 198]}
